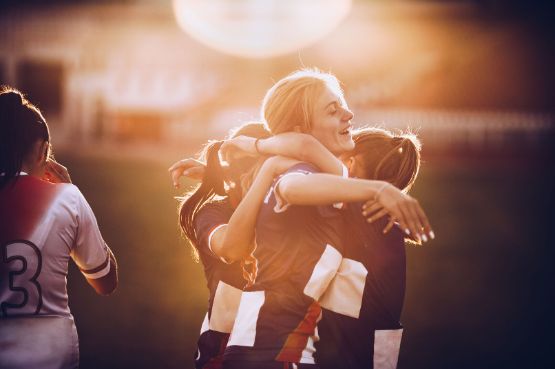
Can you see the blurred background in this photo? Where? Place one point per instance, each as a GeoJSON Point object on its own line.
{"type": "Point", "coordinates": [128, 87]}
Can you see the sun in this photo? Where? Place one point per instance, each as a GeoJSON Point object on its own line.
{"type": "Point", "coordinates": [259, 28]}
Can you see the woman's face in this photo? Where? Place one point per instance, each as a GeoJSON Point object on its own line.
{"type": "Point", "coordinates": [331, 122]}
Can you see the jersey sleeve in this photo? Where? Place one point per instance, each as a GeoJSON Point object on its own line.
{"type": "Point", "coordinates": [209, 219]}
{"type": "Point", "coordinates": [90, 252]}
{"type": "Point", "coordinates": [296, 170]}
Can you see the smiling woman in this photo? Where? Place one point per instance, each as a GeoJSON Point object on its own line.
{"type": "Point", "coordinates": [259, 29]}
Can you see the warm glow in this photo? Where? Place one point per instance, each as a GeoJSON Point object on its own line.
{"type": "Point", "coordinates": [259, 28]}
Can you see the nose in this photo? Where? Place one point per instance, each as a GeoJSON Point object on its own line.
{"type": "Point", "coordinates": [347, 114]}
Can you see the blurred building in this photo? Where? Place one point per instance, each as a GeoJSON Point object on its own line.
{"type": "Point", "coordinates": [125, 72]}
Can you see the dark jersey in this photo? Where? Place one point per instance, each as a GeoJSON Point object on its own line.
{"type": "Point", "coordinates": [372, 280]}
{"type": "Point", "coordinates": [225, 283]}
{"type": "Point", "coordinates": [298, 251]}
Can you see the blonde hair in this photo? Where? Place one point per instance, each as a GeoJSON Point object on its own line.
{"type": "Point", "coordinates": [290, 101]}
{"type": "Point", "coordinates": [388, 156]}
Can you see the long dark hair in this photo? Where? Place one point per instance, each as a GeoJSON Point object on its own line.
{"type": "Point", "coordinates": [21, 125]}
{"type": "Point", "coordinates": [215, 181]}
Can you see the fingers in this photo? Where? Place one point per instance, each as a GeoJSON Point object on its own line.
{"type": "Point", "coordinates": [377, 215]}
{"type": "Point", "coordinates": [371, 207]}
{"type": "Point", "coordinates": [194, 173]}
{"type": "Point", "coordinates": [424, 220]}
{"type": "Point", "coordinates": [226, 150]}
{"type": "Point", "coordinates": [412, 221]}
{"type": "Point", "coordinates": [417, 221]}
{"type": "Point", "coordinates": [176, 174]}
{"type": "Point", "coordinates": [389, 225]}
{"type": "Point", "coordinates": [189, 167]}
{"type": "Point", "coordinates": [184, 164]}
{"type": "Point", "coordinates": [58, 172]}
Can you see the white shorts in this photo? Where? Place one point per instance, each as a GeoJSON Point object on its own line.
{"type": "Point", "coordinates": [38, 342]}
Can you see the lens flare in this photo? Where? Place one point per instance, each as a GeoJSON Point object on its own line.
{"type": "Point", "coordinates": [259, 28]}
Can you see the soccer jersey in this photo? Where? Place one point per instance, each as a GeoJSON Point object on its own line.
{"type": "Point", "coordinates": [364, 301]}
{"type": "Point", "coordinates": [42, 226]}
{"type": "Point", "coordinates": [298, 251]}
{"type": "Point", "coordinates": [224, 281]}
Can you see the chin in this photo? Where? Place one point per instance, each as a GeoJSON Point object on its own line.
{"type": "Point", "coordinates": [348, 146]}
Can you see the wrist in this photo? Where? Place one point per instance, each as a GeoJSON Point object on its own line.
{"type": "Point", "coordinates": [380, 190]}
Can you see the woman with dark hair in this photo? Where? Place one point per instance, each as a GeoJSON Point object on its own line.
{"type": "Point", "coordinates": [203, 217]}
{"type": "Point", "coordinates": [44, 221]}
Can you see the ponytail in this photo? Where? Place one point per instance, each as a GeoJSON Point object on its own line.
{"type": "Point", "coordinates": [21, 125]}
{"type": "Point", "coordinates": [387, 156]}
{"type": "Point", "coordinates": [212, 184]}
{"type": "Point", "coordinates": [214, 180]}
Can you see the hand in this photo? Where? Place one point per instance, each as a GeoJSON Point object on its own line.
{"type": "Point", "coordinates": [56, 172]}
{"type": "Point", "coordinates": [238, 147]}
{"type": "Point", "coordinates": [189, 167]}
{"type": "Point", "coordinates": [402, 208]}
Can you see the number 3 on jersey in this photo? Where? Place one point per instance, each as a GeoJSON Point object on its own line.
{"type": "Point", "coordinates": [20, 266]}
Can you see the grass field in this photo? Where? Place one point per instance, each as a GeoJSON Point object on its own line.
{"type": "Point", "coordinates": [479, 296]}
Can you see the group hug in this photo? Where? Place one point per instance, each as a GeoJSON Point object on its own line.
{"type": "Point", "coordinates": [300, 222]}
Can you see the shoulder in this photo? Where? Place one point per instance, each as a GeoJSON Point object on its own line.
{"type": "Point", "coordinates": [71, 192]}
{"type": "Point", "coordinates": [216, 207]}
{"type": "Point", "coordinates": [214, 211]}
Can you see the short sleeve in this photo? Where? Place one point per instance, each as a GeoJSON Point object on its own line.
{"type": "Point", "coordinates": [296, 170]}
{"type": "Point", "coordinates": [90, 252]}
{"type": "Point", "coordinates": [209, 219]}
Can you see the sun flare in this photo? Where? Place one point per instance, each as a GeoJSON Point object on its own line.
{"type": "Point", "coordinates": [259, 28]}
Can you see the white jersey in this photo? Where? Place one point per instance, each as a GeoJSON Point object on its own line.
{"type": "Point", "coordinates": [42, 226]}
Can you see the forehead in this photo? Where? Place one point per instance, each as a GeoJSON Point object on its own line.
{"type": "Point", "coordinates": [329, 95]}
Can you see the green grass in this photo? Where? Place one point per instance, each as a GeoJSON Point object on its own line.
{"type": "Point", "coordinates": [478, 296]}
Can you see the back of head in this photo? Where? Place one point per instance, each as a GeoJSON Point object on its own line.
{"type": "Point", "coordinates": [215, 178]}
{"type": "Point", "coordinates": [21, 125]}
{"type": "Point", "coordinates": [290, 101]}
{"type": "Point", "coordinates": [387, 156]}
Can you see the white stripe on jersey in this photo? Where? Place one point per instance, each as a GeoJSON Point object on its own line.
{"type": "Point", "coordinates": [224, 307]}
{"type": "Point", "coordinates": [244, 329]}
{"type": "Point", "coordinates": [344, 294]}
{"type": "Point", "coordinates": [101, 273]}
{"type": "Point", "coordinates": [323, 272]}
{"type": "Point", "coordinates": [205, 327]}
{"type": "Point", "coordinates": [281, 204]}
{"type": "Point", "coordinates": [386, 348]}
{"type": "Point", "coordinates": [307, 356]}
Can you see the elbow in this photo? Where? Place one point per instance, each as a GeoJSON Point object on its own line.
{"type": "Point", "coordinates": [289, 191]}
{"type": "Point", "coordinates": [107, 284]}
{"type": "Point", "coordinates": [229, 253]}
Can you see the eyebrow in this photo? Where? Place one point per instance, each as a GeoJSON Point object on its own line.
{"type": "Point", "coordinates": [335, 102]}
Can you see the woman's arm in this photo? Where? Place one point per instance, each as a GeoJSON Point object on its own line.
{"type": "Point", "coordinates": [236, 240]}
{"type": "Point", "coordinates": [321, 189]}
{"type": "Point", "coordinates": [300, 146]}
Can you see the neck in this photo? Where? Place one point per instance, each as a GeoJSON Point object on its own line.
{"type": "Point", "coordinates": [33, 170]}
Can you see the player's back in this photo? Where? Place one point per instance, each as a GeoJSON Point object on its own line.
{"type": "Point", "coordinates": [37, 231]}
{"type": "Point", "coordinates": [42, 226]}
